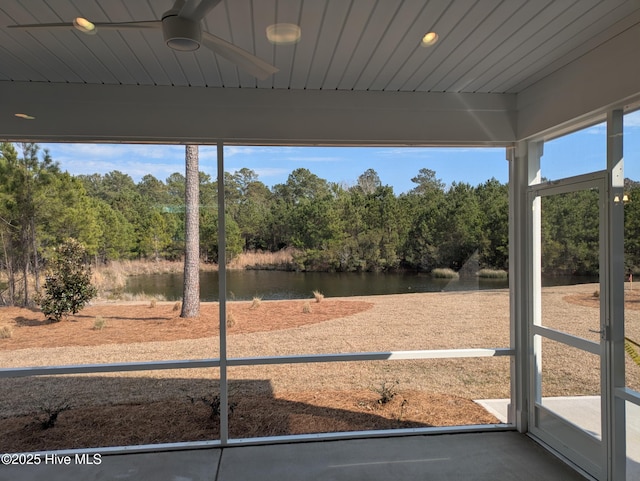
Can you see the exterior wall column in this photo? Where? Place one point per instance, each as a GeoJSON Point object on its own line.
{"type": "Point", "coordinates": [614, 425]}
{"type": "Point", "coordinates": [222, 296]}
{"type": "Point", "coordinates": [524, 170]}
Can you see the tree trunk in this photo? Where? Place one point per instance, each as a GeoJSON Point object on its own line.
{"type": "Point", "coordinates": [11, 277]}
{"type": "Point", "coordinates": [36, 264]}
{"type": "Point", "coordinates": [24, 236]}
{"type": "Point", "coordinates": [191, 287]}
{"type": "Point", "coordinates": [25, 284]}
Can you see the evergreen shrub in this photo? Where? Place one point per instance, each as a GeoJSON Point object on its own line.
{"type": "Point", "coordinates": [67, 287]}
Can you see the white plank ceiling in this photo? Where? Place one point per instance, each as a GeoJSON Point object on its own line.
{"type": "Point", "coordinates": [485, 46]}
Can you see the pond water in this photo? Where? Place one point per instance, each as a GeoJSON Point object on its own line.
{"type": "Point", "coordinates": [270, 285]}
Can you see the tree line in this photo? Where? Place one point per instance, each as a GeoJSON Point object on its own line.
{"type": "Point", "coordinates": [331, 226]}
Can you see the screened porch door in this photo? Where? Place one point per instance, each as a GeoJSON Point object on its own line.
{"type": "Point", "coordinates": [567, 328]}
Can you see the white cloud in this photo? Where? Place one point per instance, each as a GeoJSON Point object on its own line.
{"type": "Point", "coordinates": [599, 129]}
{"type": "Point", "coordinates": [101, 151]}
{"type": "Point", "coordinates": [250, 150]}
{"type": "Point", "coordinates": [270, 172]}
{"type": "Point", "coordinates": [136, 170]}
{"type": "Point", "coordinates": [136, 160]}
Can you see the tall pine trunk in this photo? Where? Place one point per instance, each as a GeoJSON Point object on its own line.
{"type": "Point", "coordinates": [191, 287]}
{"type": "Point", "coordinates": [36, 263]}
{"type": "Point", "coordinates": [25, 264]}
{"type": "Point", "coordinates": [11, 276]}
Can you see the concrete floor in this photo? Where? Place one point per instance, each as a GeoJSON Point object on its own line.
{"type": "Point", "coordinates": [503, 456]}
{"type": "Point", "coordinates": [584, 411]}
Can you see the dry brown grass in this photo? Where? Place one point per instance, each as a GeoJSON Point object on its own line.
{"type": "Point", "coordinates": [255, 302]}
{"type": "Point", "coordinates": [255, 259]}
{"type": "Point", "coordinates": [295, 398]}
{"type": "Point", "coordinates": [6, 332]}
{"type": "Point", "coordinates": [181, 420]}
{"type": "Point", "coordinates": [99, 323]}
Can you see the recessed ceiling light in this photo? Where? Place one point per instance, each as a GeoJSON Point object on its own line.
{"type": "Point", "coordinates": [429, 39]}
{"type": "Point", "coordinates": [283, 33]}
{"type": "Point", "coordinates": [25, 116]}
{"type": "Point", "coordinates": [84, 25]}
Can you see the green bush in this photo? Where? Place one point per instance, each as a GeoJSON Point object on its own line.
{"type": "Point", "coordinates": [67, 288]}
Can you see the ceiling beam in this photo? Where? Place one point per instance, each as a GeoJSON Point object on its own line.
{"type": "Point", "coordinates": [119, 113]}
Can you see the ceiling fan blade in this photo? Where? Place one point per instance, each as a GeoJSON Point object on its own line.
{"type": "Point", "coordinates": [42, 26]}
{"type": "Point", "coordinates": [243, 59]}
{"type": "Point", "coordinates": [149, 24]}
{"type": "Point", "coordinates": [103, 26]}
{"type": "Point", "coordinates": [197, 11]}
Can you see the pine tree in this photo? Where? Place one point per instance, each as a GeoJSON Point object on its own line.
{"type": "Point", "coordinates": [22, 180]}
{"type": "Point", "coordinates": [191, 286]}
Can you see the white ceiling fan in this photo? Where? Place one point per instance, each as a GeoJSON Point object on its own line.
{"type": "Point", "coordinates": [182, 30]}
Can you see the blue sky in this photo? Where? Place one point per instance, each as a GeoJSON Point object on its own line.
{"type": "Point", "coordinates": [574, 154]}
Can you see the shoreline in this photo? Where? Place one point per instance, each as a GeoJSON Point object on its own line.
{"type": "Point", "coordinates": [111, 279]}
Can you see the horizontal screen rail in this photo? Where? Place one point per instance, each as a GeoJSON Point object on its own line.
{"type": "Point", "coordinates": [568, 339]}
{"type": "Point", "coordinates": [371, 356]}
{"type": "Point", "coordinates": [252, 361]}
{"type": "Point", "coordinates": [111, 367]}
{"type": "Point", "coordinates": [271, 440]}
{"type": "Point", "coordinates": [628, 395]}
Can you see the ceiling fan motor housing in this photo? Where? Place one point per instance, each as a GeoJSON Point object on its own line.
{"type": "Point", "coordinates": [181, 33]}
